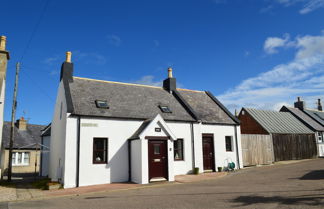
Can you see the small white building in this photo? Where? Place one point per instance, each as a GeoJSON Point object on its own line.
{"type": "Point", "coordinates": [104, 132]}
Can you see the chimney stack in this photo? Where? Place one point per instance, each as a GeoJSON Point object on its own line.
{"type": "Point", "coordinates": [319, 105]}
{"type": "Point", "coordinates": [3, 41]}
{"type": "Point", "coordinates": [299, 104]}
{"type": "Point", "coordinates": [170, 83]}
{"type": "Point", "coordinates": [21, 124]}
{"type": "Point", "coordinates": [67, 68]}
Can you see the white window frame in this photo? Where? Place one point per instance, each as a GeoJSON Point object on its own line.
{"type": "Point", "coordinates": [320, 137]}
{"type": "Point", "coordinates": [15, 161]}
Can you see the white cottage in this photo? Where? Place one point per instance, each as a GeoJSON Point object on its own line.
{"type": "Point", "coordinates": [104, 132]}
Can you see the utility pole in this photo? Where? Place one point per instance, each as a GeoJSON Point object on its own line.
{"type": "Point", "coordinates": [13, 117]}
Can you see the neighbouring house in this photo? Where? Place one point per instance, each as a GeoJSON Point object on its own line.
{"type": "Point", "coordinates": [4, 57]}
{"type": "Point", "coordinates": [313, 118]}
{"type": "Point", "coordinates": [104, 131]}
{"type": "Point", "coordinates": [45, 149]}
{"type": "Point", "coordinates": [269, 136]}
{"type": "Point", "coordinates": [26, 147]}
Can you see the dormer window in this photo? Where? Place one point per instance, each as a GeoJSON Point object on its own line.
{"type": "Point", "coordinates": [102, 104]}
{"type": "Point", "coordinates": [165, 109]}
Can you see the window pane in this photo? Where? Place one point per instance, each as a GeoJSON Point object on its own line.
{"type": "Point", "coordinates": [156, 149]}
{"type": "Point", "coordinates": [14, 158]}
{"type": "Point", "coordinates": [100, 150]}
{"type": "Point", "coordinates": [26, 158]}
{"type": "Point", "coordinates": [178, 149]}
{"type": "Point", "coordinates": [19, 157]}
{"type": "Point", "coordinates": [228, 141]}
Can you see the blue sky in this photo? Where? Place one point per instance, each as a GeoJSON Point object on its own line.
{"type": "Point", "coordinates": [252, 53]}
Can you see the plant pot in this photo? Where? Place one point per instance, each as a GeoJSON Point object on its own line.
{"type": "Point", "coordinates": [196, 171]}
{"type": "Point", "coordinates": [219, 169]}
{"type": "Point", "coordinates": [51, 186]}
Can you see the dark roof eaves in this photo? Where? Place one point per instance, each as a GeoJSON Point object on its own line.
{"type": "Point", "coordinates": [235, 119]}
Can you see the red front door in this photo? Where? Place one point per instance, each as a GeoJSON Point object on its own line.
{"type": "Point", "coordinates": [208, 153]}
{"type": "Point", "coordinates": [158, 159]}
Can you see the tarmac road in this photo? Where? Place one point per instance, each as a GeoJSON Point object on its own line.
{"type": "Point", "coordinates": [296, 185]}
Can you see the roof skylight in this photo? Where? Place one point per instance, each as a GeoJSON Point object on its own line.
{"type": "Point", "coordinates": [102, 104]}
{"type": "Point", "coordinates": [165, 109]}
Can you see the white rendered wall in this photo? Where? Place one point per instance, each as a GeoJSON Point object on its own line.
{"type": "Point", "coordinates": [320, 150]}
{"type": "Point", "coordinates": [57, 142]}
{"type": "Point", "coordinates": [222, 157]}
{"type": "Point", "coordinates": [182, 131]}
{"type": "Point", "coordinates": [117, 132]}
{"type": "Point", "coordinates": [136, 161]}
{"type": "Point", "coordinates": [45, 155]}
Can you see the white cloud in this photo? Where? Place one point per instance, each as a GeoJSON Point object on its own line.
{"type": "Point", "coordinates": [308, 5]}
{"type": "Point", "coordinates": [148, 80]}
{"type": "Point", "coordinates": [271, 44]}
{"type": "Point", "coordinates": [114, 40]}
{"type": "Point", "coordinates": [302, 76]}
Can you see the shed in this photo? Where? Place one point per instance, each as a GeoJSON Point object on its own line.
{"type": "Point", "coordinates": [269, 136]}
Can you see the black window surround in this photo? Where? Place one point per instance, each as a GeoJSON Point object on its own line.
{"type": "Point", "coordinates": [229, 143]}
{"type": "Point", "coordinates": [100, 150]}
{"type": "Point", "coordinates": [178, 150]}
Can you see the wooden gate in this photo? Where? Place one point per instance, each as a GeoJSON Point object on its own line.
{"type": "Point", "coordinates": [256, 149]}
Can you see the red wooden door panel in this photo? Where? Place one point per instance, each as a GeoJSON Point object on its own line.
{"type": "Point", "coordinates": [208, 153]}
{"type": "Point", "coordinates": [158, 158]}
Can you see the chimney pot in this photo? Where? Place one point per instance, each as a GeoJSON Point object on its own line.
{"type": "Point", "coordinates": [68, 56]}
{"type": "Point", "coordinates": [3, 41]}
{"type": "Point", "coordinates": [170, 72]}
{"type": "Point", "coordinates": [298, 99]}
{"type": "Point", "coordinates": [319, 105]}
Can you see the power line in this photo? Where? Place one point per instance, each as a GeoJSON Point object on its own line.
{"type": "Point", "coordinates": [34, 30]}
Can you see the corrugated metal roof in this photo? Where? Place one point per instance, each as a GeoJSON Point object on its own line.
{"type": "Point", "coordinates": [278, 122]}
{"type": "Point", "coordinates": [304, 117]}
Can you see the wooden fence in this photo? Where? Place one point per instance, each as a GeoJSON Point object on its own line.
{"type": "Point", "coordinates": [294, 146]}
{"type": "Point", "coordinates": [256, 149]}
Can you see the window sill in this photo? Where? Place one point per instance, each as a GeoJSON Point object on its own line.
{"type": "Point", "coordinates": [179, 160]}
{"type": "Point", "coordinates": [22, 165]}
{"type": "Point", "coordinates": [99, 163]}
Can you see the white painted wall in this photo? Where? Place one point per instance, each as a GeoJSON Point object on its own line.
{"type": "Point", "coordinates": [136, 161]}
{"type": "Point", "coordinates": [57, 142]}
{"type": "Point", "coordinates": [45, 155]}
{"type": "Point", "coordinates": [117, 132]}
{"type": "Point", "coordinates": [219, 132]}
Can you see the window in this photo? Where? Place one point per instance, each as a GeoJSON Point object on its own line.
{"type": "Point", "coordinates": [100, 150]}
{"type": "Point", "coordinates": [228, 143]}
{"type": "Point", "coordinates": [156, 149]}
{"type": "Point", "coordinates": [178, 149]}
{"type": "Point", "coordinates": [320, 137]}
{"type": "Point", "coordinates": [102, 104]}
{"type": "Point", "coordinates": [165, 109]}
{"type": "Point", "coordinates": [20, 158]}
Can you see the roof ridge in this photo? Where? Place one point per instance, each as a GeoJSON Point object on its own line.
{"type": "Point", "coordinates": [116, 82]}
{"type": "Point", "coordinates": [181, 89]}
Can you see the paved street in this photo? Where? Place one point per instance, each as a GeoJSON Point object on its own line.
{"type": "Point", "coordinates": [297, 185]}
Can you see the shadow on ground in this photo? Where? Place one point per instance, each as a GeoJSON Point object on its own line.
{"type": "Point", "coordinates": [310, 200]}
{"type": "Point", "coordinates": [313, 175]}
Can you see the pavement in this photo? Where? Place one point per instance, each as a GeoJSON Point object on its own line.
{"type": "Point", "coordinates": [293, 185]}
{"type": "Point", "coordinates": [23, 190]}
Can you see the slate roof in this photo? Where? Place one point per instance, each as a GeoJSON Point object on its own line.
{"type": "Point", "coordinates": [141, 129]}
{"type": "Point", "coordinates": [134, 101]}
{"type": "Point", "coordinates": [306, 119]}
{"type": "Point", "coordinates": [316, 115]}
{"type": "Point", "coordinates": [207, 110]}
{"type": "Point", "coordinates": [22, 138]}
{"type": "Point", "coordinates": [278, 122]}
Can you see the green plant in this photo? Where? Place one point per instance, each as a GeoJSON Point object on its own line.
{"type": "Point", "coordinates": [41, 184]}
{"type": "Point", "coordinates": [219, 169]}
